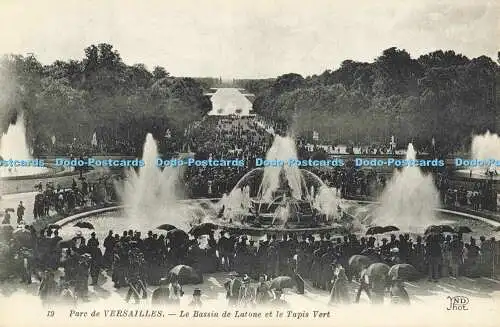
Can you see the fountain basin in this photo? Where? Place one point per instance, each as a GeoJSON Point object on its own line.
{"type": "Point", "coordinates": [114, 218]}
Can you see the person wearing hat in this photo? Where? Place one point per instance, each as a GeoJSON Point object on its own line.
{"type": "Point", "coordinates": [196, 301]}
{"type": "Point", "coordinates": [82, 276]}
{"type": "Point", "coordinates": [339, 293]}
{"type": "Point", "coordinates": [96, 261]}
{"type": "Point", "coordinates": [109, 244]}
{"type": "Point", "coordinates": [364, 285]}
{"type": "Point", "coordinates": [48, 288]}
{"type": "Point", "coordinates": [398, 293]}
{"type": "Point", "coordinates": [93, 240]}
{"type": "Point", "coordinates": [245, 296]}
{"type": "Point", "coordinates": [78, 243]}
{"type": "Point", "coordinates": [395, 258]}
{"type": "Point", "coordinates": [161, 295]}
{"type": "Point", "coordinates": [20, 212]}
{"type": "Point", "coordinates": [232, 287]}
{"type": "Point", "coordinates": [6, 217]}
{"type": "Point", "coordinates": [176, 291]}
{"type": "Point", "coordinates": [263, 293]}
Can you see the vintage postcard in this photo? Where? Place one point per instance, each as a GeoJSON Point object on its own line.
{"type": "Point", "coordinates": [249, 163]}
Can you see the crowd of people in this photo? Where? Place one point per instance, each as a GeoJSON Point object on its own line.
{"type": "Point", "coordinates": [227, 139]}
{"type": "Point", "coordinates": [479, 197]}
{"type": "Point", "coordinates": [134, 261]}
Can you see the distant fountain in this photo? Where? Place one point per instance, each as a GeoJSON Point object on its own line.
{"type": "Point", "coordinates": [409, 199]}
{"type": "Point", "coordinates": [486, 146]}
{"type": "Point", "coordinates": [13, 145]}
{"type": "Point", "coordinates": [154, 196]}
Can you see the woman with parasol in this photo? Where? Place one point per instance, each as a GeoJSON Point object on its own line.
{"type": "Point", "coordinates": [6, 217]}
{"type": "Point", "coordinates": [339, 293]}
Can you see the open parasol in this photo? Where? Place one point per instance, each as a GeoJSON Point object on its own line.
{"type": "Point", "coordinates": [203, 229]}
{"type": "Point", "coordinates": [166, 227]}
{"type": "Point", "coordinates": [375, 230]}
{"type": "Point", "coordinates": [404, 271]}
{"type": "Point", "coordinates": [186, 275]}
{"type": "Point", "coordinates": [84, 224]}
{"type": "Point", "coordinates": [282, 282]}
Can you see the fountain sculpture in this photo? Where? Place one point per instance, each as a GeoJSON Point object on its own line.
{"type": "Point", "coordinates": [284, 196]}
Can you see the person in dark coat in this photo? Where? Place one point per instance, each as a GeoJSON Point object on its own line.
{"type": "Point", "coordinates": [109, 243]}
{"type": "Point", "coordinates": [364, 285]}
{"type": "Point", "coordinates": [161, 295]}
{"type": "Point", "coordinates": [6, 217]}
{"type": "Point", "coordinates": [340, 292]}
{"type": "Point", "coordinates": [82, 276]}
{"type": "Point", "coordinates": [96, 258]}
{"type": "Point", "coordinates": [20, 212]}
{"type": "Point", "coordinates": [434, 254]}
{"type": "Point", "coordinates": [196, 301]}
{"type": "Point", "coordinates": [48, 289]}
{"type": "Point", "coordinates": [232, 287]}
{"type": "Point", "coordinates": [398, 292]}
{"type": "Point", "coordinates": [263, 293]}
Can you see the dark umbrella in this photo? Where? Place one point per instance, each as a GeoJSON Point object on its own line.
{"type": "Point", "coordinates": [403, 271]}
{"type": "Point", "coordinates": [446, 229]}
{"type": "Point", "coordinates": [203, 229]}
{"type": "Point", "coordinates": [177, 234]}
{"type": "Point", "coordinates": [357, 263]}
{"type": "Point", "coordinates": [378, 273]}
{"type": "Point", "coordinates": [388, 229]}
{"type": "Point", "coordinates": [186, 275]}
{"type": "Point", "coordinates": [375, 230]}
{"type": "Point", "coordinates": [10, 209]}
{"type": "Point", "coordinates": [84, 224]}
{"type": "Point", "coordinates": [166, 227]}
{"type": "Point", "coordinates": [54, 226]}
{"type": "Point", "coordinates": [282, 282]}
{"type": "Point", "coordinates": [463, 230]}
{"type": "Point", "coordinates": [439, 229]}
{"type": "Point", "coordinates": [6, 231]}
{"type": "Point", "coordinates": [22, 236]}
{"type": "Point", "coordinates": [432, 229]}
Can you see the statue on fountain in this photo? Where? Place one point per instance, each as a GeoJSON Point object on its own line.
{"type": "Point", "coordinates": [284, 188]}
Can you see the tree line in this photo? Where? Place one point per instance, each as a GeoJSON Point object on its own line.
{"type": "Point", "coordinates": [441, 95]}
{"type": "Point", "coordinates": [99, 93]}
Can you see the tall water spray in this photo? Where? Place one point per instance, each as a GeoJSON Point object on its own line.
{"type": "Point", "coordinates": [283, 148]}
{"type": "Point", "coordinates": [13, 145]}
{"type": "Point", "coordinates": [486, 146]}
{"type": "Point", "coordinates": [154, 196]}
{"type": "Point", "coordinates": [409, 199]}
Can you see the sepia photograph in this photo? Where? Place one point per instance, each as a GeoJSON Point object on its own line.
{"type": "Point", "coordinates": [249, 163]}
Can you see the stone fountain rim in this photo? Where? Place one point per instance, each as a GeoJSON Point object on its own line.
{"type": "Point", "coordinates": [488, 221]}
{"type": "Point", "coordinates": [72, 218]}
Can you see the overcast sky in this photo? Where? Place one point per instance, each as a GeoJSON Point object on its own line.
{"type": "Point", "coordinates": [254, 38]}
